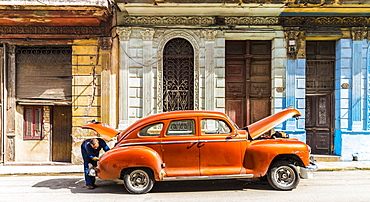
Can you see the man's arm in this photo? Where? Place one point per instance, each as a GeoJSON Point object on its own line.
{"type": "Point", "coordinates": [90, 152]}
{"type": "Point", "coordinates": [104, 145]}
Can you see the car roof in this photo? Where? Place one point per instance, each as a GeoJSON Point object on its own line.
{"type": "Point", "coordinates": [171, 115]}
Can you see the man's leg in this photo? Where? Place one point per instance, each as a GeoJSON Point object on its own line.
{"type": "Point", "coordinates": [95, 164]}
{"type": "Point", "coordinates": [88, 180]}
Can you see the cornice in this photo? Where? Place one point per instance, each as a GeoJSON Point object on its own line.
{"type": "Point", "coordinates": [305, 21]}
{"type": "Point", "coordinates": [52, 30]}
{"type": "Point", "coordinates": [302, 21]}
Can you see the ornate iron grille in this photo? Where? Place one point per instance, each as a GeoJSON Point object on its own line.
{"type": "Point", "coordinates": [42, 55]}
{"type": "Point", "coordinates": [320, 75]}
{"type": "Point", "coordinates": [178, 75]}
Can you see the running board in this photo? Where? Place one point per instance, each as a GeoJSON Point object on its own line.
{"type": "Point", "coordinates": [213, 177]}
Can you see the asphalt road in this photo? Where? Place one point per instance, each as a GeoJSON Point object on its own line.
{"type": "Point", "coordinates": [325, 186]}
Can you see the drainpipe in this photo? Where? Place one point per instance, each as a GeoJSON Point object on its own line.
{"type": "Point", "coordinates": [3, 103]}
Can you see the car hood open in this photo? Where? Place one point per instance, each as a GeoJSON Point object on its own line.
{"type": "Point", "coordinates": [258, 128]}
{"type": "Point", "coordinates": [104, 130]}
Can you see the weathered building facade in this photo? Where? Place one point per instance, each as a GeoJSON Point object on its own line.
{"type": "Point", "coordinates": [251, 59]}
{"type": "Point", "coordinates": [53, 55]}
{"type": "Point", "coordinates": [66, 62]}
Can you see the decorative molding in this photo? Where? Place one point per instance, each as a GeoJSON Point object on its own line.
{"type": "Point", "coordinates": [124, 33]}
{"type": "Point", "coordinates": [292, 40]}
{"type": "Point", "coordinates": [251, 20]}
{"type": "Point", "coordinates": [69, 30]}
{"type": "Point", "coordinates": [162, 41]}
{"type": "Point", "coordinates": [303, 21]}
{"type": "Point", "coordinates": [209, 35]}
{"type": "Point", "coordinates": [345, 85]}
{"type": "Point", "coordinates": [324, 21]}
{"type": "Point", "coordinates": [168, 20]}
{"type": "Point", "coordinates": [358, 33]}
{"type": "Point", "coordinates": [105, 43]}
{"type": "Point", "coordinates": [280, 89]}
{"type": "Point", "coordinates": [147, 34]}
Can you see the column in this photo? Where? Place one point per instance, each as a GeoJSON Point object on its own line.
{"type": "Point", "coordinates": [295, 79]}
{"type": "Point", "coordinates": [147, 35]}
{"type": "Point", "coordinates": [356, 101]}
{"type": "Point", "coordinates": [104, 49]}
{"type": "Point", "coordinates": [123, 87]}
{"type": "Point", "coordinates": [209, 36]}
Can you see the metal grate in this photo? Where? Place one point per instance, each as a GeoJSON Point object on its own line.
{"type": "Point", "coordinates": [40, 54]}
{"type": "Point", "coordinates": [178, 75]}
{"type": "Point", "coordinates": [320, 75]}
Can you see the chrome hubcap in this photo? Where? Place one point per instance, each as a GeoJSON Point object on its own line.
{"type": "Point", "coordinates": [285, 175]}
{"type": "Point", "coordinates": [139, 179]}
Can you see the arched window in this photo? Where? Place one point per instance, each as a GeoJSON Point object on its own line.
{"type": "Point", "coordinates": [178, 75]}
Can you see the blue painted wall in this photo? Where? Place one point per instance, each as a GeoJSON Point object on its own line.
{"type": "Point", "coordinates": [295, 96]}
{"type": "Point", "coordinates": [352, 132]}
{"type": "Point", "coordinates": [352, 104]}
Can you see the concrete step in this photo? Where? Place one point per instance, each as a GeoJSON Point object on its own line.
{"type": "Point", "coordinates": [326, 158]}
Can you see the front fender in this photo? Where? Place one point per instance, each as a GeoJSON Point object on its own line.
{"type": "Point", "coordinates": [260, 154]}
{"type": "Point", "coordinates": [115, 160]}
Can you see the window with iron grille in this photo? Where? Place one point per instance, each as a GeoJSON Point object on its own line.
{"type": "Point", "coordinates": [32, 122]}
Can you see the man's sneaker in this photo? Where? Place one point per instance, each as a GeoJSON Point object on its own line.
{"type": "Point", "coordinates": [94, 185]}
{"type": "Point", "coordinates": [90, 187]}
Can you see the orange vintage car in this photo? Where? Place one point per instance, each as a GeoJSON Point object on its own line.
{"type": "Point", "coordinates": [190, 145]}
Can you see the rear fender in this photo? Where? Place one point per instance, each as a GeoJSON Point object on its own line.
{"type": "Point", "coordinates": [119, 158]}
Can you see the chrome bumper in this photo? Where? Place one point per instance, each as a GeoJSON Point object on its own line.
{"type": "Point", "coordinates": [307, 172]}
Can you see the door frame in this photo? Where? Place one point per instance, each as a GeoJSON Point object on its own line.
{"type": "Point", "coordinates": [321, 53]}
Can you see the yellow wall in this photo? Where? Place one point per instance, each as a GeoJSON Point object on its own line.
{"type": "Point", "coordinates": [86, 91]}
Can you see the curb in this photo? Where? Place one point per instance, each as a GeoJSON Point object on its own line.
{"type": "Point", "coordinates": [41, 174]}
{"type": "Point", "coordinates": [342, 169]}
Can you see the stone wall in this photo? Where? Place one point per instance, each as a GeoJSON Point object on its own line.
{"type": "Point", "coordinates": [141, 58]}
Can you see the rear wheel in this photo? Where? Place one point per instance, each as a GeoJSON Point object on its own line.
{"type": "Point", "coordinates": [283, 176]}
{"type": "Point", "coordinates": [138, 180]}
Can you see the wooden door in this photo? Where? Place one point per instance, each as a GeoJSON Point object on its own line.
{"type": "Point", "coordinates": [248, 81]}
{"type": "Point", "coordinates": [61, 133]}
{"type": "Point", "coordinates": [320, 65]}
{"type": "Point", "coordinates": [318, 123]}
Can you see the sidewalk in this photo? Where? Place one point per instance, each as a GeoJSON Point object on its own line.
{"type": "Point", "coordinates": [40, 169]}
{"type": "Point", "coordinates": [52, 168]}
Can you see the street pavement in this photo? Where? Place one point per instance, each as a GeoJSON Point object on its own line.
{"type": "Point", "coordinates": [65, 168]}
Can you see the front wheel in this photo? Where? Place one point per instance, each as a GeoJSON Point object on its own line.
{"type": "Point", "coordinates": [138, 180]}
{"type": "Point", "coordinates": [283, 176]}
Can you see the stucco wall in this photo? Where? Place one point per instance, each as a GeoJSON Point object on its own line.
{"type": "Point", "coordinates": [355, 147]}
{"type": "Point", "coordinates": [86, 85]}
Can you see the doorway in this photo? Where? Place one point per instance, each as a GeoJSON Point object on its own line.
{"type": "Point", "coordinates": [178, 75]}
{"type": "Point", "coordinates": [320, 65]}
{"type": "Point", "coordinates": [61, 134]}
{"type": "Point", "coordinates": [248, 81]}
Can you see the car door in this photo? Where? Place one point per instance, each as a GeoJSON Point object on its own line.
{"type": "Point", "coordinates": [179, 149]}
{"type": "Point", "coordinates": [220, 148]}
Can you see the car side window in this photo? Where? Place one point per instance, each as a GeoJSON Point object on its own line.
{"type": "Point", "coordinates": [151, 130]}
{"type": "Point", "coordinates": [181, 127]}
{"type": "Point", "coordinates": [214, 126]}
